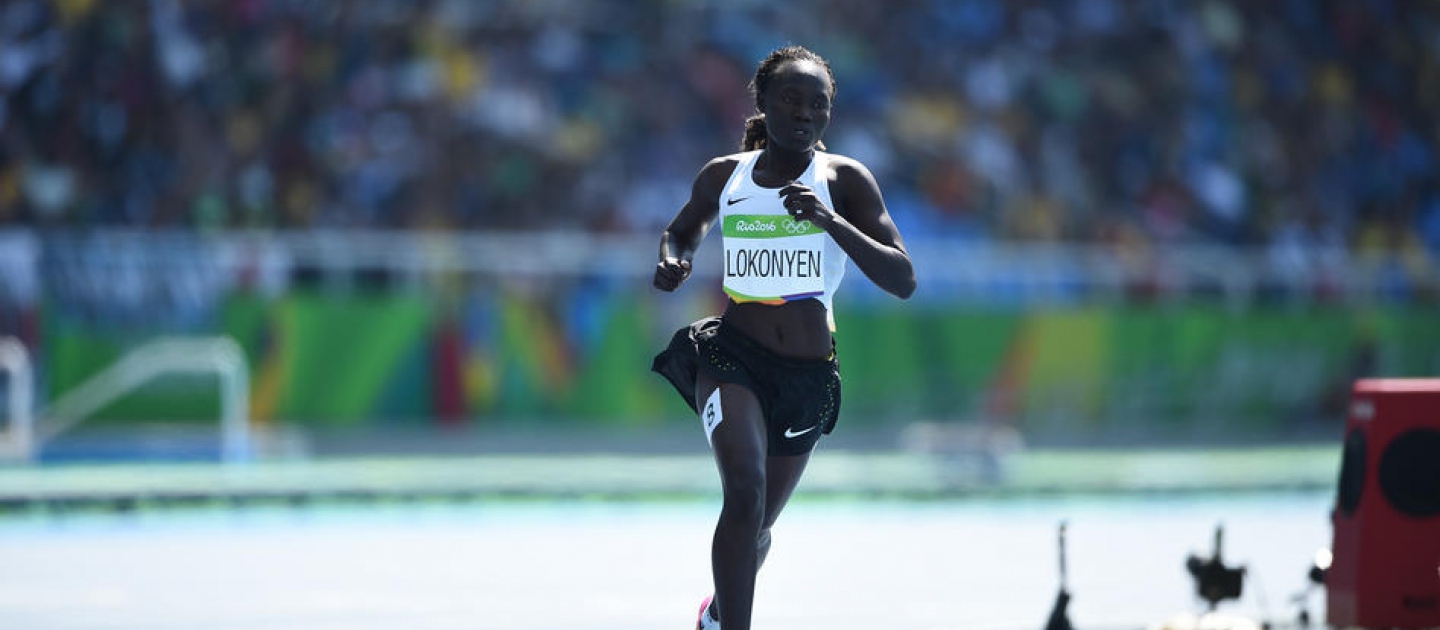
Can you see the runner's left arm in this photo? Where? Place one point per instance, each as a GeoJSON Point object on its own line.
{"type": "Point", "coordinates": [861, 226]}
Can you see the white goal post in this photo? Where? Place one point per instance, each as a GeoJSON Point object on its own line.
{"type": "Point", "coordinates": [168, 355]}
{"type": "Point", "coordinates": [17, 439]}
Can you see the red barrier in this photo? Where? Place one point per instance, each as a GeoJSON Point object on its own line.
{"type": "Point", "coordinates": [1386, 567]}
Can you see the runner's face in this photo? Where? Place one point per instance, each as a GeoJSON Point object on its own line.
{"type": "Point", "coordinates": [797, 105]}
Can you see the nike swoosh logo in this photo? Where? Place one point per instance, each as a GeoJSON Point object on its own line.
{"type": "Point", "coordinates": [731, 202]}
{"type": "Point", "coordinates": [793, 434]}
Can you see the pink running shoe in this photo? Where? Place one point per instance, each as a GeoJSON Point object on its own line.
{"type": "Point", "coordinates": [705, 621]}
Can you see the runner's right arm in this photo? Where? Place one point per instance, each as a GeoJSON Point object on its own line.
{"type": "Point", "coordinates": [682, 237]}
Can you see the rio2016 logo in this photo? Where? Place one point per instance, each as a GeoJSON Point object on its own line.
{"type": "Point", "coordinates": [758, 225]}
{"type": "Point", "coordinates": [773, 226]}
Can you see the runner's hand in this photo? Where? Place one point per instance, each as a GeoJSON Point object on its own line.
{"type": "Point", "coordinates": [670, 272]}
{"type": "Point", "coordinates": [804, 205]}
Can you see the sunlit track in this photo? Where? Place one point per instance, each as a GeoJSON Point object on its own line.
{"type": "Point", "coordinates": [980, 563]}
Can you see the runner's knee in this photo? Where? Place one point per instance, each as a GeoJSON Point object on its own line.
{"type": "Point", "coordinates": [744, 492]}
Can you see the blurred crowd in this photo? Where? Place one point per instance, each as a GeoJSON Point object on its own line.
{"type": "Point", "coordinates": [1291, 125]}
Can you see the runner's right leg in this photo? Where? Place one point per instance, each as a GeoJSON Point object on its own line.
{"type": "Point", "coordinates": [736, 424]}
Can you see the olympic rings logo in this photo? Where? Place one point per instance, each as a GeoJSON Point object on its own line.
{"type": "Point", "coordinates": [797, 227]}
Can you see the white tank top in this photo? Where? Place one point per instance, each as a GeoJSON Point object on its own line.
{"type": "Point", "coordinates": [769, 257]}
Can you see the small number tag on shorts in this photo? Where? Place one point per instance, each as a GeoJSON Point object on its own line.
{"type": "Point", "coordinates": [711, 414]}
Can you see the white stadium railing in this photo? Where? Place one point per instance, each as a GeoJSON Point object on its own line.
{"type": "Point", "coordinates": [103, 265]}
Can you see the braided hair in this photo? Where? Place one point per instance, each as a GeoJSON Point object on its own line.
{"type": "Point", "coordinates": [755, 129]}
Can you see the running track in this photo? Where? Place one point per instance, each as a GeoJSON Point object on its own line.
{"type": "Point", "coordinates": [980, 563]}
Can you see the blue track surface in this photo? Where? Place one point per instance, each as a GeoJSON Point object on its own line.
{"type": "Point", "coordinates": [971, 563]}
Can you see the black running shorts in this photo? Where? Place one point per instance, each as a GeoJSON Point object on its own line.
{"type": "Point", "coordinates": [799, 397]}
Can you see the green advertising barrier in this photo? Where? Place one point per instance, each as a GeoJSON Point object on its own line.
{"type": "Point", "coordinates": [497, 356]}
{"type": "Point", "coordinates": [73, 354]}
{"type": "Point", "coordinates": [921, 364]}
